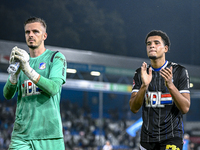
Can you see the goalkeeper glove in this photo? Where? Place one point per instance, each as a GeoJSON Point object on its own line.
{"type": "Point", "coordinates": [13, 76]}
{"type": "Point", "coordinates": [23, 57]}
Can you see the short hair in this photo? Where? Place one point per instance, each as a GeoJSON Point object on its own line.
{"type": "Point", "coordinates": [36, 19]}
{"type": "Point", "coordinates": [160, 33]}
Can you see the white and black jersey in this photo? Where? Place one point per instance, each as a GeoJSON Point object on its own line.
{"type": "Point", "coordinates": [161, 118]}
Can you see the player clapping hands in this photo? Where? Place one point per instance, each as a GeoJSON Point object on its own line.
{"type": "Point", "coordinates": [20, 55]}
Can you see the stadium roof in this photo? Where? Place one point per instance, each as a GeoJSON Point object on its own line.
{"type": "Point", "coordinates": [116, 69]}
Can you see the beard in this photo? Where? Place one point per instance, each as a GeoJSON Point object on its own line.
{"type": "Point", "coordinates": [32, 46]}
{"type": "Point", "coordinates": [152, 57]}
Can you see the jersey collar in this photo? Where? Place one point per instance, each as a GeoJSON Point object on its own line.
{"type": "Point", "coordinates": [158, 69]}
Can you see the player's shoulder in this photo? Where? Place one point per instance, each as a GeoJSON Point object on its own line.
{"type": "Point", "coordinates": [55, 54]}
{"type": "Point", "coordinates": [179, 69]}
{"type": "Point", "coordinates": [138, 70]}
{"type": "Point", "coordinates": [176, 65]}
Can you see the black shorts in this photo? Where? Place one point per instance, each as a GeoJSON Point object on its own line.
{"type": "Point", "coordinates": [170, 144]}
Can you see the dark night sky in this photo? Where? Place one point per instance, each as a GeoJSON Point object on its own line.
{"type": "Point", "coordinates": [180, 19]}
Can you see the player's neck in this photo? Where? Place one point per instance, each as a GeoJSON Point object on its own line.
{"type": "Point", "coordinates": [157, 63]}
{"type": "Point", "coordinates": [37, 52]}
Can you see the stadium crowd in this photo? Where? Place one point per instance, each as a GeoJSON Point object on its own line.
{"type": "Point", "coordinates": [80, 129]}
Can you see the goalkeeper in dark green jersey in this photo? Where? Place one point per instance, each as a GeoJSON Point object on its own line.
{"type": "Point", "coordinates": [38, 82]}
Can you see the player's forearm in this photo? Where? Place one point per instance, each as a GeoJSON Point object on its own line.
{"type": "Point", "coordinates": [9, 90]}
{"type": "Point", "coordinates": [182, 101]}
{"type": "Point", "coordinates": [136, 100]}
{"type": "Point", "coordinates": [49, 86]}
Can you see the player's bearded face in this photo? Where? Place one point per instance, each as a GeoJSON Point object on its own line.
{"type": "Point", "coordinates": [34, 45]}
{"type": "Point", "coordinates": [35, 35]}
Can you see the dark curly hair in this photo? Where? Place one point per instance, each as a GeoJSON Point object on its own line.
{"type": "Point", "coordinates": [160, 33]}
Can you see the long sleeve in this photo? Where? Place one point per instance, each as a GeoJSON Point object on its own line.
{"type": "Point", "coordinates": [50, 86]}
{"type": "Point", "coordinates": [9, 90]}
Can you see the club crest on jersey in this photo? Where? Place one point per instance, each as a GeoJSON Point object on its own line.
{"type": "Point", "coordinates": [42, 66]}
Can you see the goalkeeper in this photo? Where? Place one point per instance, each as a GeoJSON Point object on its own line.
{"type": "Point", "coordinates": [38, 82]}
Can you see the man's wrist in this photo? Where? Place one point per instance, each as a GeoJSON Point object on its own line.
{"type": "Point", "coordinates": [170, 86]}
{"type": "Point", "coordinates": [144, 86]}
{"type": "Point", "coordinates": [32, 74]}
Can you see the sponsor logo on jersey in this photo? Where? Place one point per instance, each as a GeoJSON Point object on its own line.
{"type": "Point", "coordinates": [172, 147]}
{"type": "Point", "coordinates": [158, 99]}
{"type": "Point", "coordinates": [29, 88]}
{"type": "Point", "coordinates": [42, 66]}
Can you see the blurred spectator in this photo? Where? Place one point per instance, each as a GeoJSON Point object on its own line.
{"type": "Point", "coordinates": [186, 141]}
{"type": "Point", "coordinates": [80, 130]}
{"type": "Point", "coordinates": [107, 146]}
{"type": "Point", "coordinates": [191, 146]}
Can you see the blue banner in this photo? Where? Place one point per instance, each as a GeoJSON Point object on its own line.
{"type": "Point", "coordinates": [134, 128]}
